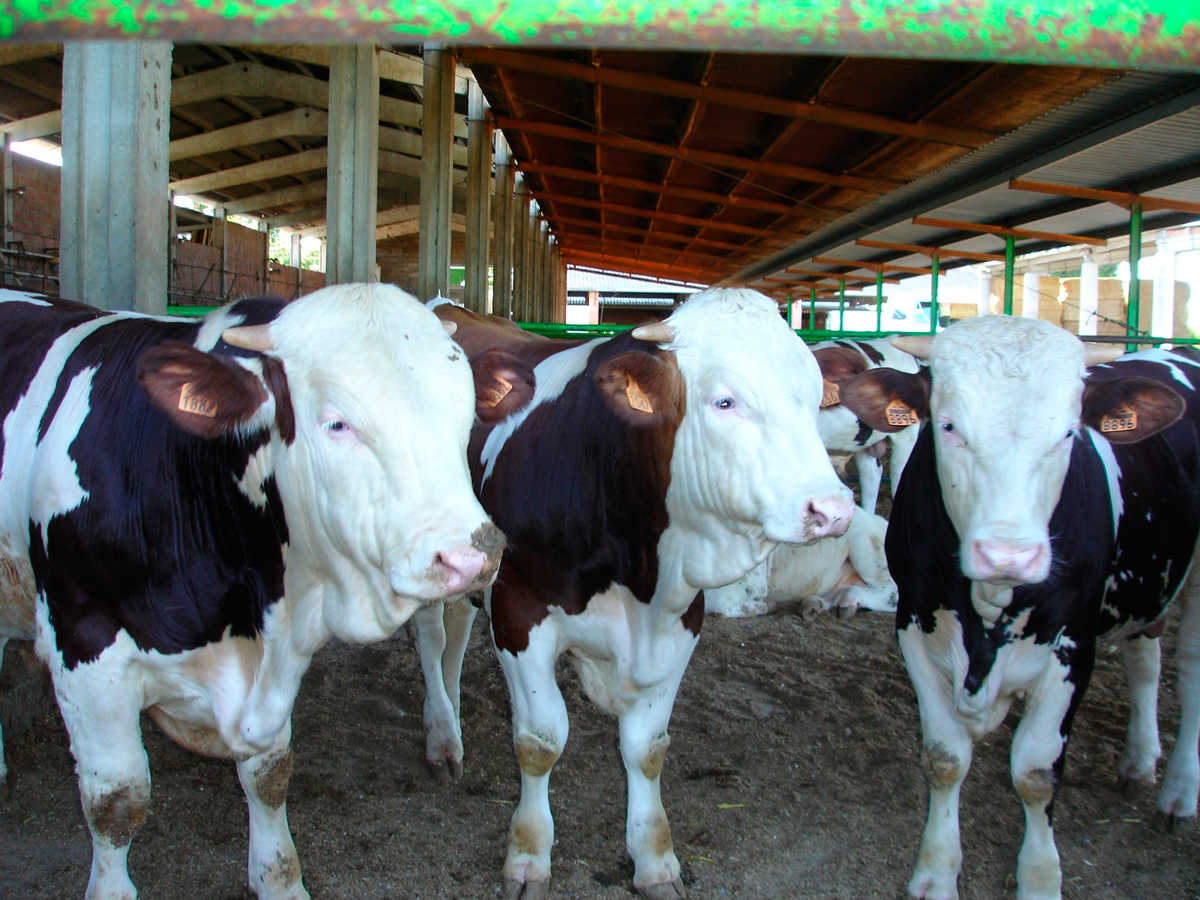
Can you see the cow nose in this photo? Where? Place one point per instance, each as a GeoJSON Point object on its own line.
{"type": "Point", "coordinates": [1008, 561]}
{"type": "Point", "coordinates": [471, 567]}
{"type": "Point", "coordinates": [460, 568]}
{"type": "Point", "coordinates": [828, 516]}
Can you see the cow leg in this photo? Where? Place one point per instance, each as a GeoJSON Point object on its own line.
{"type": "Point", "coordinates": [102, 717]}
{"type": "Point", "coordinates": [3, 764]}
{"type": "Point", "coordinates": [945, 758]}
{"type": "Point", "coordinates": [443, 631]}
{"type": "Point", "coordinates": [1177, 799]}
{"type": "Point", "coordinates": [870, 475]}
{"type": "Point", "coordinates": [644, 742]}
{"type": "Point", "coordinates": [1039, 743]}
{"type": "Point", "coordinates": [1141, 656]}
{"type": "Point", "coordinates": [540, 728]}
{"type": "Point", "coordinates": [274, 867]}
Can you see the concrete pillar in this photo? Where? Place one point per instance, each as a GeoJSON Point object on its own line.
{"type": "Point", "coordinates": [353, 169]}
{"type": "Point", "coordinates": [437, 167]}
{"type": "Point", "coordinates": [540, 246]}
{"type": "Point", "coordinates": [115, 134]}
{"type": "Point", "coordinates": [6, 203]}
{"type": "Point", "coordinates": [520, 246]}
{"type": "Point", "coordinates": [1162, 321]}
{"type": "Point", "coordinates": [1030, 294]}
{"type": "Point", "coordinates": [479, 196]}
{"type": "Point", "coordinates": [984, 303]}
{"type": "Point", "coordinates": [296, 255]}
{"type": "Point", "coordinates": [502, 232]}
{"type": "Point", "coordinates": [593, 298]}
{"type": "Point", "coordinates": [1089, 294]}
{"type": "Point", "coordinates": [220, 241]}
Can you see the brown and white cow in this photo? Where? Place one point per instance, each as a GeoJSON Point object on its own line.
{"type": "Point", "coordinates": [190, 509]}
{"type": "Point", "coordinates": [646, 468]}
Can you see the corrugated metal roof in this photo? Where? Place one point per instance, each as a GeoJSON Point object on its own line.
{"type": "Point", "coordinates": [1139, 132]}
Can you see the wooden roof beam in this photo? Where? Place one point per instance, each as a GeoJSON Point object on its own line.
{"type": "Point", "coordinates": [656, 188]}
{"type": "Point", "coordinates": [926, 250]}
{"type": "Point", "coordinates": [1120, 198]}
{"type": "Point", "coordinates": [641, 232]}
{"type": "Point", "coordinates": [636, 250]}
{"type": "Point", "coordinates": [625, 264]}
{"type": "Point", "coordinates": [1009, 232]}
{"type": "Point", "coordinates": [701, 157]}
{"type": "Point", "coordinates": [871, 266]}
{"type": "Point", "coordinates": [793, 109]}
{"type": "Point", "coordinates": [651, 214]}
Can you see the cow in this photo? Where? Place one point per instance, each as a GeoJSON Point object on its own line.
{"type": "Point", "coordinates": [189, 509]}
{"type": "Point", "coordinates": [1045, 507]}
{"type": "Point", "coordinates": [843, 574]}
{"type": "Point", "coordinates": [645, 469]}
{"type": "Point", "coordinates": [844, 432]}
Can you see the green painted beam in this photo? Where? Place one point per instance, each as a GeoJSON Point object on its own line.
{"type": "Point", "coordinates": [1157, 34]}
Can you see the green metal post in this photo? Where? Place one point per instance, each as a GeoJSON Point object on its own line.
{"type": "Point", "coordinates": [1133, 313]}
{"type": "Point", "coordinates": [1010, 263]}
{"type": "Point", "coordinates": [933, 298]}
{"type": "Point", "coordinates": [879, 300]}
{"type": "Point", "coordinates": [788, 311]}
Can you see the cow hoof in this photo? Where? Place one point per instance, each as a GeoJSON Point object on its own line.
{"type": "Point", "coordinates": [1131, 787]}
{"type": "Point", "coordinates": [671, 890]}
{"type": "Point", "coordinates": [1171, 823]}
{"type": "Point", "coordinates": [526, 890]}
{"type": "Point", "coordinates": [443, 771]}
{"type": "Point", "coordinates": [809, 608]}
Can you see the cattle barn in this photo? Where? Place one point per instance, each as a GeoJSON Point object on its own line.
{"type": "Point", "coordinates": [190, 156]}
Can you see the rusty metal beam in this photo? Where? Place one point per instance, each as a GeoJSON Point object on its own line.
{"type": "Point", "coordinates": [926, 250]}
{"type": "Point", "coordinates": [1058, 237]}
{"type": "Point", "coordinates": [871, 266]}
{"type": "Point", "coordinates": [1120, 198]}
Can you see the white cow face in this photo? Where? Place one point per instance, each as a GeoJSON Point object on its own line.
{"type": "Point", "coordinates": [372, 476]}
{"type": "Point", "coordinates": [1007, 402]}
{"type": "Point", "coordinates": [1005, 408]}
{"type": "Point", "coordinates": [748, 460]}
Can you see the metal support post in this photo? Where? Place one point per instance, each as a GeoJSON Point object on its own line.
{"type": "Point", "coordinates": [1010, 263]}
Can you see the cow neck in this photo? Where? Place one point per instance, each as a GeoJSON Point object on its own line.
{"type": "Point", "coordinates": [579, 493]}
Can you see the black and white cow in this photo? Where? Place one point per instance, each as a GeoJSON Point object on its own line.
{"type": "Point", "coordinates": [645, 469]}
{"type": "Point", "coordinates": [190, 509]}
{"type": "Point", "coordinates": [843, 432]}
{"type": "Point", "coordinates": [1045, 507]}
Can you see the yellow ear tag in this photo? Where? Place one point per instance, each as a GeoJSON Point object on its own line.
{"type": "Point", "coordinates": [1123, 418]}
{"type": "Point", "coordinates": [496, 394]}
{"type": "Point", "coordinates": [900, 413]}
{"type": "Point", "coordinates": [638, 398]}
{"type": "Point", "coordinates": [195, 404]}
{"type": "Point", "coordinates": [830, 394]}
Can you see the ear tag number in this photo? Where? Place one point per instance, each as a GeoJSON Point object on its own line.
{"type": "Point", "coordinates": [196, 404]}
{"type": "Point", "coordinates": [1123, 418]}
{"type": "Point", "coordinates": [638, 398]}
{"type": "Point", "coordinates": [497, 393]}
{"type": "Point", "coordinates": [831, 395]}
{"type": "Point", "coordinates": [900, 413]}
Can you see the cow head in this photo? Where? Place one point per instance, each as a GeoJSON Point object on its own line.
{"type": "Point", "coordinates": [748, 468]}
{"type": "Point", "coordinates": [1006, 403]}
{"type": "Point", "coordinates": [369, 405]}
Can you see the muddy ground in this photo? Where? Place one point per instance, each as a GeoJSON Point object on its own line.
{"type": "Point", "coordinates": [792, 773]}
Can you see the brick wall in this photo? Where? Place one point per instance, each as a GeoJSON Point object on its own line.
{"type": "Point", "coordinates": [397, 259]}
{"type": "Point", "coordinates": [282, 282]}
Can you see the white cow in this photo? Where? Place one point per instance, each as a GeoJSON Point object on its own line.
{"type": "Point", "coordinates": [190, 509]}
{"type": "Point", "coordinates": [843, 573]}
{"type": "Point", "coordinates": [843, 432]}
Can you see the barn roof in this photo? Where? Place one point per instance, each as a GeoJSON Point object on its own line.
{"type": "Point", "coordinates": [695, 165]}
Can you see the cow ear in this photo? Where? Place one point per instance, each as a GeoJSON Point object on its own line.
{"type": "Point", "coordinates": [203, 394]}
{"type": "Point", "coordinates": [888, 399]}
{"type": "Point", "coordinates": [1127, 410]}
{"type": "Point", "coordinates": [641, 388]}
{"type": "Point", "coordinates": [503, 385]}
{"type": "Point", "coordinates": [838, 365]}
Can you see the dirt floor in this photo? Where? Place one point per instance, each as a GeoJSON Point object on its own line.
{"type": "Point", "coordinates": [792, 773]}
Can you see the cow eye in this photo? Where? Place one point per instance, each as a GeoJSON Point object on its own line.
{"type": "Point", "coordinates": [948, 427]}
{"type": "Point", "coordinates": [337, 428]}
{"type": "Point", "coordinates": [725, 402]}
